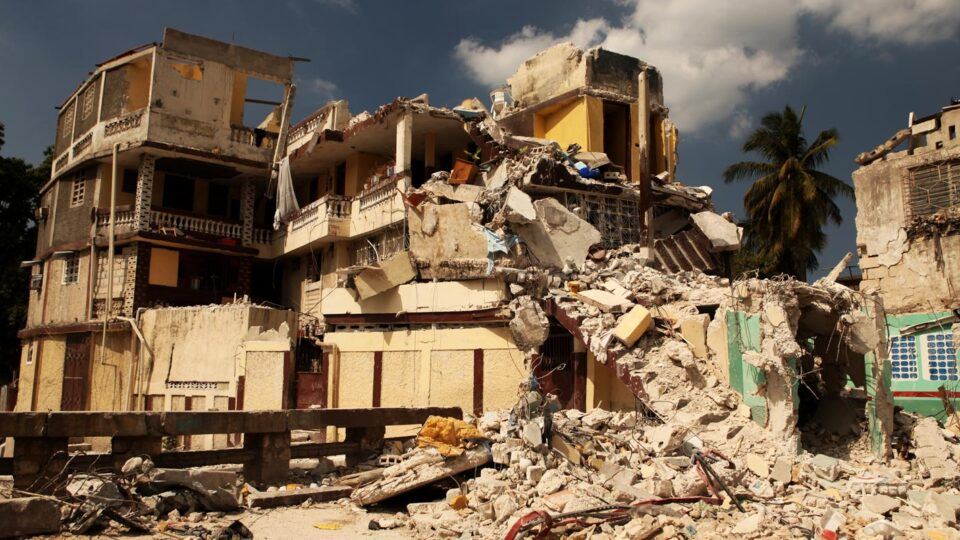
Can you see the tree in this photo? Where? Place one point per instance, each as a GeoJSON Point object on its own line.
{"type": "Point", "coordinates": [20, 183]}
{"type": "Point", "coordinates": [790, 199]}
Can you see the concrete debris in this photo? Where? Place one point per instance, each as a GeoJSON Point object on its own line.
{"type": "Point", "coordinates": [558, 238]}
{"type": "Point", "coordinates": [28, 516]}
{"type": "Point", "coordinates": [723, 234]}
{"type": "Point", "coordinates": [390, 273]}
{"type": "Point", "coordinates": [529, 324]}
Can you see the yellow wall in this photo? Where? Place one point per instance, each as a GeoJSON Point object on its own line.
{"type": "Point", "coordinates": [359, 168]}
{"type": "Point", "coordinates": [604, 390]}
{"type": "Point", "coordinates": [110, 374]}
{"type": "Point", "coordinates": [237, 98]}
{"type": "Point", "coordinates": [138, 83]}
{"type": "Point", "coordinates": [49, 379]}
{"type": "Point", "coordinates": [426, 367]}
{"type": "Point", "coordinates": [578, 121]}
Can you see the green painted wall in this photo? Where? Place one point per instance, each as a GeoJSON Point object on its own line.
{"type": "Point", "coordinates": [743, 334]}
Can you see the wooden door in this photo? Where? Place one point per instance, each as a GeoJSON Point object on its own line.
{"type": "Point", "coordinates": [76, 373]}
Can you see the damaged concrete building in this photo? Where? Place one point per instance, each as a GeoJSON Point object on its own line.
{"type": "Point", "coordinates": [156, 200]}
{"type": "Point", "coordinates": [908, 239]}
{"type": "Point", "coordinates": [415, 256]}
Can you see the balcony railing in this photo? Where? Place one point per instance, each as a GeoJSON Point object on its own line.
{"type": "Point", "coordinates": [262, 236]}
{"type": "Point", "coordinates": [122, 218]}
{"type": "Point", "coordinates": [212, 227]}
{"type": "Point", "coordinates": [328, 207]}
{"type": "Point", "coordinates": [381, 190]}
{"type": "Point", "coordinates": [251, 137]}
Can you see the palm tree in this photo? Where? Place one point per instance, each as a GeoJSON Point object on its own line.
{"type": "Point", "coordinates": [790, 199]}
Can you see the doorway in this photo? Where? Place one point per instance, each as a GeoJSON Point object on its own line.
{"type": "Point", "coordinates": [76, 373]}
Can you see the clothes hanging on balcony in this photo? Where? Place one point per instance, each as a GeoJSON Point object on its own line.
{"type": "Point", "coordinates": [287, 206]}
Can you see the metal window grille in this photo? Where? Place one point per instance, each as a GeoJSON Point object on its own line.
{"type": "Point", "coordinates": [71, 269]}
{"type": "Point", "coordinates": [79, 190]}
{"type": "Point", "coordinates": [941, 357]}
{"type": "Point", "coordinates": [903, 357]}
{"type": "Point", "coordinates": [932, 188]}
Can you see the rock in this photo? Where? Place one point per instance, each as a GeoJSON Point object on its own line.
{"type": "Point", "coordinates": [762, 488]}
{"type": "Point", "coordinates": [881, 527]}
{"type": "Point", "coordinates": [519, 207]}
{"type": "Point", "coordinates": [942, 507]}
{"type": "Point", "coordinates": [132, 465]}
{"type": "Point", "coordinates": [534, 473]}
{"type": "Point", "coordinates": [749, 524]}
{"type": "Point", "coordinates": [611, 303]}
{"type": "Point", "coordinates": [529, 325]}
{"type": "Point", "coordinates": [504, 506]}
{"type": "Point", "coordinates": [551, 482]}
{"type": "Point", "coordinates": [782, 470]}
{"type": "Point", "coordinates": [28, 516]}
{"type": "Point", "coordinates": [879, 504]}
{"type": "Point", "coordinates": [825, 467]}
{"type": "Point", "coordinates": [694, 332]}
{"type": "Point", "coordinates": [757, 464]}
{"type": "Point", "coordinates": [532, 434]}
{"type": "Point", "coordinates": [723, 235]}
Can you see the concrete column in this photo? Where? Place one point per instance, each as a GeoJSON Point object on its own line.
{"type": "Point", "coordinates": [144, 191]}
{"type": "Point", "coordinates": [246, 212]}
{"type": "Point", "coordinates": [271, 457]}
{"type": "Point", "coordinates": [404, 143]}
{"type": "Point", "coordinates": [880, 405]}
{"type": "Point", "coordinates": [643, 138]}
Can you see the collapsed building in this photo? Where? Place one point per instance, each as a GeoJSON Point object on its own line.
{"type": "Point", "coordinates": [387, 244]}
{"type": "Point", "coordinates": [908, 199]}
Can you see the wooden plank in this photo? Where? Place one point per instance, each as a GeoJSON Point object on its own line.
{"type": "Point", "coordinates": [24, 424]}
{"type": "Point", "coordinates": [372, 417]}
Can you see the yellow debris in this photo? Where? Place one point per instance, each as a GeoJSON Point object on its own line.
{"type": "Point", "coordinates": [633, 325]}
{"type": "Point", "coordinates": [459, 502]}
{"type": "Point", "coordinates": [447, 435]}
{"type": "Point", "coordinates": [328, 526]}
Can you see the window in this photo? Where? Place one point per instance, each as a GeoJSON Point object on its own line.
{"type": "Point", "coordinates": [952, 132]}
{"type": "Point", "coordinates": [78, 191]}
{"type": "Point", "coordinates": [933, 187]}
{"type": "Point", "coordinates": [178, 192]}
{"type": "Point", "coordinates": [129, 184]}
{"type": "Point", "coordinates": [218, 200]}
{"type": "Point", "coordinates": [903, 357]}
{"type": "Point", "coordinates": [941, 357]}
{"type": "Point", "coordinates": [71, 269]}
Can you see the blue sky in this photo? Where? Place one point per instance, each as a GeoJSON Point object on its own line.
{"type": "Point", "coordinates": [859, 66]}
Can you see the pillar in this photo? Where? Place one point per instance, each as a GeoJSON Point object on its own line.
{"type": "Point", "coordinates": [271, 457]}
{"type": "Point", "coordinates": [880, 405]}
{"type": "Point", "coordinates": [144, 191]}
{"type": "Point", "coordinates": [643, 139]}
{"type": "Point", "coordinates": [246, 211]}
{"type": "Point", "coordinates": [404, 143]}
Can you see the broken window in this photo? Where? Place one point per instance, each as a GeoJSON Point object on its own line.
{"type": "Point", "coordinates": [78, 190]}
{"type": "Point", "coordinates": [952, 132]}
{"type": "Point", "coordinates": [126, 88]}
{"type": "Point", "coordinates": [941, 357]}
{"type": "Point", "coordinates": [178, 192]}
{"type": "Point", "coordinates": [933, 187]}
{"type": "Point", "coordinates": [903, 357]}
{"type": "Point", "coordinates": [617, 218]}
{"type": "Point", "coordinates": [71, 269]}
{"type": "Point", "coordinates": [129, 184]}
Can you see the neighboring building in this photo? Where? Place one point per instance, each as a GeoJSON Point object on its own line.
{"type": "Point", "coordinates": [394, 266]}
{"type": "Point", "coordinates": [189, 215]}
{"type": "Point", "coordinates": [908, 238]}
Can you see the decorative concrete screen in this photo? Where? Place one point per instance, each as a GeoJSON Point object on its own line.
{"type": "Point", "coordinates": [903, 357]}
{"type": "Point", "coordinates": [941, 357]}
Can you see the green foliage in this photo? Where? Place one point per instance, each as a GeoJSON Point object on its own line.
{"type": "Point", "coordinates": [18, 199]}
{"type": "Point", "coordinates": [790, 199]}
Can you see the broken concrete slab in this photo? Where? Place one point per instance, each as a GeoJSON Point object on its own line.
{"type": "Point", "coordinates": [633, 325]}
{"type": "Point", "coordinates": [879, 504]}
{"type": "Point", "coordinates": [519, 207]}
{"type": "Point", "coordinates": [427, 467]}
{"type": "Point", "coordinates": [723, 234]}
{"type": "Point", "coordinates": [293, 497]}
{"type": "Point", "coordinates": [28, 516]}
{"type": "Point", "coordinates": [558, 236]}
{"type": "Point", "coordinates": [694, 332]}
{"type": "Point", "coordinates": [390, 273]}
{"type": "Point", "coordinates": [605, 301]}
{"type": "Point", "coordinates": [467, 193]}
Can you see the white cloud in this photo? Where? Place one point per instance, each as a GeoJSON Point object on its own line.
{"type": "Point", "coordinates": [741, 124]}
{"type": "Point", "coordinates": [713, 54]}
{"type": "Point", "coordinates": [321, 87]}
{"type": "Point", "coordinates": [909, 22]}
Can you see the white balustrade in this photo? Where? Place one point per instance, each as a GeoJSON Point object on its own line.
{"type": "Point", "coordinates": [197, 224]}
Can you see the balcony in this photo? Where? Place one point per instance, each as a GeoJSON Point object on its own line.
{"type": "Point", "coordinates": [326, 218]}
{"type": "Point", "coordinates": [176, 224]}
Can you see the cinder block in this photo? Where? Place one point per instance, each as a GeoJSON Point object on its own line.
{"type": "Point", "coordinates": [633, 325]}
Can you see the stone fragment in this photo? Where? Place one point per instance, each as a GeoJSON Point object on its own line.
{"type": "Point", "coordinates": [879, 504]}
{"type": "Point", "coordinates": [782, 470]}
{"type": "Point", "coordinates": [28, 516]}
{"type": "Point", "coordinates": [757, 464]}
{"type": "Point", "coordinates": [390, 273]}
{"type": "Point", "coordinates": [883, 528]}
{"type": "Point", "coordinates": [942, 507]}
{"type": "Point", "coordinates": [529, 325]}
{"type": "Point", "coordinates": [504, 506]}
{"type": "Point", "coordinates": [825, 467]}
{"type": "Point", "coordinates": [694, 332]}
{"type": "Point", "coordinates": [558, 236]}
{"type": "Point", "coordinates": [723, 235]}
{"type": "Point", "coordinates": [532, 434]}
{"type": "Point", "coordinates": [519, 207]}
{"type": "Point", "coordinates": [551, 482]}
{"type": "Point", "coordinates": [605, 301]}
{"type": "Point", "coordinates": [293, 497]}
{"type": "Point", "coordinates": [749, 524]}
{"type": "Point", "coordinates": [633, 325]}
{"type": "Point", "coordinates": [534, 473]}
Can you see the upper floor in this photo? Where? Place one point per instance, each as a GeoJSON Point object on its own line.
{"type": "Point", "coordinates": [187, 94]}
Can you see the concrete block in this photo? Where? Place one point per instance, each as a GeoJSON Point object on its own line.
{"type": "Point", "coordinates": [633, 325]}
{"type": "Point", "coordinates": [390, 273]}
{"type": "Point", "coordinates": [694, 332]}
{"type": "Point", "coordinates": [558, 236]}
{"type": "Point", "coordinates": [28, 516]}
{"type": "Point", "coordinates": [723, 234]}
{"type": "Point", "coordinates": [782, 470]}
{"type": "Point", "coordinates": [295, 497]}
{"type": "Point", "coordinates": [825, 467]}
{"type": "Point", "coordinates": [604, 301]}
{"type": "Point", "coordinates": [758, 465]}
{"type": "Point", "coordinates": [519, 207]}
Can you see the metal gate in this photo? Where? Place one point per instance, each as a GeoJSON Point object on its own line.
{"type": "Point", "coordinates": [76, 373]}
{"type": "Point", "coordinates": [560, 371]}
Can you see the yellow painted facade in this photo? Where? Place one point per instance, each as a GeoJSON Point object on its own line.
{"type": "Point", "coordinates": [604, 390]}
{"type": "Point", "coordinates": [577, 121]}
